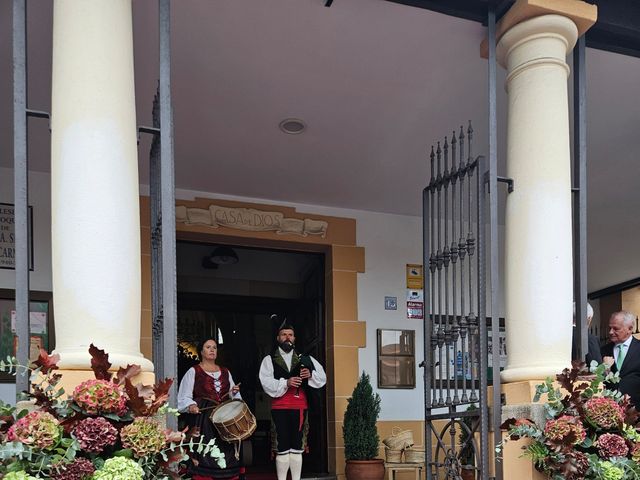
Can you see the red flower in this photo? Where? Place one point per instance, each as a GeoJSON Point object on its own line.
{"type": "Point", "coordinates": [95, 434]}
{"type": "Point", "coordinates": [612, 445]}
{"type": "Point", "coordinates": [604, 412]}
{"type": "Point", "coordinates": [79, 469]}
{"type": "Point", "coordinates": [565, 428]}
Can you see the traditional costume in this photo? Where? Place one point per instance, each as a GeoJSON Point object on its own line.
{"type": "Point", "coordinates": [289, 422]}
{"type": "Point", "coordinates": [208, 389]}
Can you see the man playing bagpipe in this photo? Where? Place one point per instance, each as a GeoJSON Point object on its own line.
{"type": "Point", "coordinates": [285, 375]}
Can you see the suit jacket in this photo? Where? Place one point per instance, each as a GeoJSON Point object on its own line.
{"type": "Point", "coordinates": [594, 349]}
{"type": "Point", "coordinates": [630, 370]}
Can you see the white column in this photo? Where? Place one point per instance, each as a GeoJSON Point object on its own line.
{"type": "Point", "coordinates": [538, 248]}
{"type": "Point", "coordinates": [94, 184]}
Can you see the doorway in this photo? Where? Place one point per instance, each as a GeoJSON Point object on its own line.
{"type": "Point", "coordinates": [231, 298]}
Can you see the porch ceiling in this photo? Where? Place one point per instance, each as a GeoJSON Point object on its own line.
{"type": "Point", "coordinates": [375, 81]}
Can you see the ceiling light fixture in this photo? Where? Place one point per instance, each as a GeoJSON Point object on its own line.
{"type": "Point", "coordinates": [292, 126]}
{"type": "Point", "coordinates": [224, 256]}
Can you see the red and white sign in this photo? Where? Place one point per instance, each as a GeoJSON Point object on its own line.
{"type": "Point", "coordinates": [415, 310]}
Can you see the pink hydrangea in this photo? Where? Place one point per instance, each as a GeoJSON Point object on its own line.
{"type": "Point", "coordinates": [39, 429]}
{"type": "Point", "coordinates": [95, 434]}
{"type": "Point", "coordinates": [79, 469]}
{"type": "Point", "coordinates": [100, 396]}
{"type": "Point", "coordinates": [557, 430]}
{"type": "Point", "coordinates": [604, 412]}
{"type": "Point", "coordinates": [612, 445]}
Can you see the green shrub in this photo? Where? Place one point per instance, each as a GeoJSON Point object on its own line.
{"type": "Point", "coordinates": [359, 428]}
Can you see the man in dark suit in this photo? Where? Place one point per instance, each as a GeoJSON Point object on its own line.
{"type": "Point", "coordinates": [623, 354]}
{"type": "Point", "coordinates": [593, 352]}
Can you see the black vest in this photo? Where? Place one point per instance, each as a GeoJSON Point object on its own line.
{"type": "Point", "coordinates": [280, 369]}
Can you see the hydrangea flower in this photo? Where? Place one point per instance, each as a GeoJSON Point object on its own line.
{"type": "Point", "coordinates": [557, 430]}
{"type": "Point", "coordinates": [119, 468]}
{"type": "Point", "coordinates": [38, 429]}
{"type": "Point", "coordinates": [144, 436]}
{"type": "Point", "coordinates": [21, 475]}
{"type": "Point", "coordinates": [612, 445]}
{"type": "Point", "coordinates": [100, 396]}
{"type": "Point", "coordinates": [635, 453]}
{"type": "Point", "coordinates": [581, 462]}
{"type": "Point", "coordinates": [611, 472]}
{"type": "Point", "coordinates": [79, 469]}
{"type": "Point", "coordinates": [604, 412]}
{"type": "Point", "coordinates": [95, 434]}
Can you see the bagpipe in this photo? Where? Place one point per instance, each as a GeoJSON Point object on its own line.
{"type": "Point", "coordinates": [303, 361]}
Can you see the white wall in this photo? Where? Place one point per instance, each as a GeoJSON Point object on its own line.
{"type": "Point", "coordinates": [40, 199]}
{"type": "Point", "coordinates": [40, 277]}
{"type": "Point", "coordinates": [390, 242]}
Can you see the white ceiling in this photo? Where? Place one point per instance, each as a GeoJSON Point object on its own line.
{"type": "Point", "coordinates": [375, 81]}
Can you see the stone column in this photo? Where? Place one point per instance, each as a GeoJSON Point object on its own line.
{"type": "Point", "coordinates": [94, 184]}
{"type": "Point", "coordinates": [538, 245]}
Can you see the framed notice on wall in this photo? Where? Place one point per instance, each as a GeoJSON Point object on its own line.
{"type": "Point", "coordinates": [40, 326]}
{"type": "Point", "coordinates": [396, 359]}
{"type": "Point", "coordinates": [8, 236]}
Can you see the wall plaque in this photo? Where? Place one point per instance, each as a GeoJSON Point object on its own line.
{"type": "Point", "coordinates": [8, 237]}
{"type": "Point", "coordinates": [250, 219]}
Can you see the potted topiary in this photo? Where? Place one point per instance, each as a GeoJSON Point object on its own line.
{"type": "Point", "coordinates": [360, 434]}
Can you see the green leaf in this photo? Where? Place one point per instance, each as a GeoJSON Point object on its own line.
{"type": "Point", "coordinates": [125, 452]}
{"type": "Point", "coordinates": [359, 430]}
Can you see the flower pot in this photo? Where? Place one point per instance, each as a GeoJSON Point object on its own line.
{"type": "Point", "coordinates": [365, 469]}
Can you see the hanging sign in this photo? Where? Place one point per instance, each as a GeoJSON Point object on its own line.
{"type": "Point", "coordinates": [415, 277]}
{"type": "Point", "coordinates": [415, 291]}
{"type": "Point", "coordinates": [415, 310]}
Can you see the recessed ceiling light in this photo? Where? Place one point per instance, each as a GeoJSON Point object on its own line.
{"type": "Point", "coordinates": [292, 126]}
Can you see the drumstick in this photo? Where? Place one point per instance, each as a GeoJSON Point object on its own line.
{"type": "Point", "coordinates": [208, 408]}
{"type": "Point", "coordinates": [229, 393]}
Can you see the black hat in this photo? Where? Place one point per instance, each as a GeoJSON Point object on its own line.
{"type": "Point", "coordinates": [282, 322]}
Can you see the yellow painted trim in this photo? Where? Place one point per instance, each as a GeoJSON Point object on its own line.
{"type": "Point", "coordinates": [344, 260]}
{"type": "Point", "coordinates": [349, 334]}
{"type": "Point", "coordinates": [348, 258]}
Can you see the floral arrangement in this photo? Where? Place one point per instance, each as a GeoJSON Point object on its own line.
{"type": "Point", "coordinates": [591, 431]}
{"type": "Point", "coordinates": [107, 429]}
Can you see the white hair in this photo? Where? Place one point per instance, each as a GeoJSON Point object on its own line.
{"type": "Point", "coordinates": [628, 318]}
{"type": "Point", "coordinates": [589, 310]}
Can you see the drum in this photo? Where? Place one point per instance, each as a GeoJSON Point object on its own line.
{"type": "Point", "coordinates": [233, 420]}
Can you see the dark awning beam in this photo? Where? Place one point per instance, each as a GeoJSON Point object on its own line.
{"type": "Point", "coordinates": [617, 29]}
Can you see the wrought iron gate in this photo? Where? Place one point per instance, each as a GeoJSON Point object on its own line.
{"type": "Point", "coordinates": [455, 330]}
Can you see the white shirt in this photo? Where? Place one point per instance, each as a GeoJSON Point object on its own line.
{"type": "Point", "coordinates": [276, 388]}
{"type": "Point", "coordinates": [625, 349]}
{"type": "Point", "coordinates": [185, 392]}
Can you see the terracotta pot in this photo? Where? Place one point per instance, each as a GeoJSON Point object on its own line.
{"type": "Point", "coordinates": [365, 469]}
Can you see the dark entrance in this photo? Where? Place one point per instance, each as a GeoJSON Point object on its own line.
{"type": "Point", "coordinates": [232, 302]}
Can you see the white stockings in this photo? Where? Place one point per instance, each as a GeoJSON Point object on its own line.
{"type": "Point", "coordinates": [288, 461]}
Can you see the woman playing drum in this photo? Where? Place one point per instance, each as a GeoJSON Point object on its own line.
{"type": "Point", "coordinates": [202, 388]}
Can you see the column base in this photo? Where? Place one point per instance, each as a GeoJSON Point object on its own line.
{"type": "Point", "coordinates": [82, 360]}
{"type": "Point", "coordinates": [514, 465]}
{"type": "Point", "coordinates": [520, 374]}
{"type": "Point", "coordinates": [72, 378]}
{"type": "Point", "coordinates": [520, 396]}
